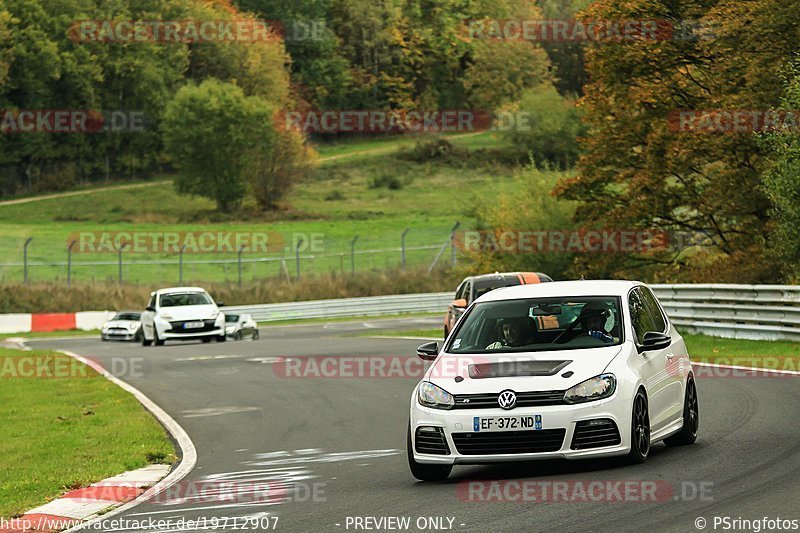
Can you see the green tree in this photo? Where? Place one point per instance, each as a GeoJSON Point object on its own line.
{"type": "Point", "coordinates": [550, 133]}
{"type": "Point", "coordinates": [210, 131]}
{"type": "Point", "coordinates": [638, 171]}
{"type": "Point", "coordinates": [782, 184]}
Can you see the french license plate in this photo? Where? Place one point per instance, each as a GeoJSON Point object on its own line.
{"type": "Point", "coordinates": [193, 325]}
{"type": "Point", "coordinates": [506, 423]}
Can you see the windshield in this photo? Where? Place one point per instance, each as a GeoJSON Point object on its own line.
{"type": "Point", "coordinates": [231, 318]}
{"type": "Point", "coordinates": [126, 316]}
{"type": "Point", "coordinates": [184, 298]}
{"type": "Point", "coordinates": [539, 324]}
{"type": "Point", "coordinates": [484, 286]}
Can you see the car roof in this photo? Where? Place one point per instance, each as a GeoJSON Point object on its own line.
{"type": "Point", "coordinates": [170, 290]}
{"type": "Point", "coordinates": [497, 275]}
{"type": "Point", "coordinates": [128, 311]}
{"type": "Point", "coordinates": [562, 288]}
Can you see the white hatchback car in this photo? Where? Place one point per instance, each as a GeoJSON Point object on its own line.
{"type": "Point", "coordinates": [574, 369]}
{"type": "Point", "coordinates": [182, 313]}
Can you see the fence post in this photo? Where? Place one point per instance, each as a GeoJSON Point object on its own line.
{"type": "Point", "coordinates": [180, 265]}
{"type": "Point", "coordinates": [25, 260]}
{"type": "Point", "coordinates": [353, 255]}
{"type": "Point", "coordinates": [69, 262]}
{"type": "Point", "coordinates": [297, 257]}
{"type": "Point", "coordinates": [119, 261]}
{"type": "Point", "coordinates": [239, 264]}
{"type": "Point", "coordinates": [403, 248]}
{"type": "Point", "coordinates": [450, 241]}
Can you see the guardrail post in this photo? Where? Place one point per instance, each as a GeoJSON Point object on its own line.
{"type": "Point", "coordinates": [297, 257]}
{"type": "Point", "coordinates": [353, 255]}
{"type": "Point", "coordinates": [403, 248]}
{"type": "Point", "coordinates": [25, 260]}
{"type": "Point", "coordinates": [119, 262]}
{"type": "Point", "coordinates": [180, 265]}
{"type": "Point", "coordinates": [69, 262]}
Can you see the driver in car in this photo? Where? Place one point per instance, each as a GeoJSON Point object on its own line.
{"type": "Point", "coordinates": [593, 321]}
{"type": "Point", "coordinates": [512, 335]}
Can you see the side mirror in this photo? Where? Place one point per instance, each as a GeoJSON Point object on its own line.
{"type": "Point", "coordinates": [150, 308]}
{"type": "Point", "coordinates": [654, 340]}
{"type": "Point", "coordinates": [220, 304]}
{"type": "Point", "coordinates": [461, 303]}
{"type": "Point", "coordinates": [428, 351]}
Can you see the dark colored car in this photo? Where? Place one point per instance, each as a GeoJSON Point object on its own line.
{"type": "Point", "coordinates": [475, 286]}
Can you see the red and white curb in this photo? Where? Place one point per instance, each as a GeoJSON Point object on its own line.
{"type": "Point", "coordinates": [79, 506]}
{"type": "Point", "coordinates": [38, 322]}
{"type": "Point", "coordinates": [102, 500]}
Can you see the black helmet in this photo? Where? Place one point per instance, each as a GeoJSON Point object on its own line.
{"type": "Point", "coordinates": [594, 310]}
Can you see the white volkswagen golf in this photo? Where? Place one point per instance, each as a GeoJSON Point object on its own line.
{"type": "Point", "coordinates": [574, 369]}
{"type": "Point", "coordinates": [182, 313]}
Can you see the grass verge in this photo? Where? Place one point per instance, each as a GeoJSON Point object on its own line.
{"type": "Point", "coordinates": [68, 430]}
{"type": "Point", "coordinates": [782, 355]}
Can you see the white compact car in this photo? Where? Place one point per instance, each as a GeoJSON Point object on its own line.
{"type": "Point", "coordinates": [182, 313]}
{"type": "Point", "coordinates": [125, 326]}
{"type": "Point", "coordinates": [574, 369]}
{"type": "Point", "coordinates": [238, 327]}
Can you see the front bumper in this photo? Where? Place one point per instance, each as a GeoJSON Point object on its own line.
{"type": "Point", "coordinates": [113, 335]}
{"type": "Point", "coordinates": [175, 330]}
{"type": "Point", "coordinates": [554, 417]}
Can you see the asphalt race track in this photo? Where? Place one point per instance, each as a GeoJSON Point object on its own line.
{"type": "Point", "coordinates": [337, 446]}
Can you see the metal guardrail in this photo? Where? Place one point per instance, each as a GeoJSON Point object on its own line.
{"type": "Point", "coordinates": [760, 312]}
{"type": "Point", "coordinates": [344, 307]}
{"type": "Point", "coordinates": [768, 312]}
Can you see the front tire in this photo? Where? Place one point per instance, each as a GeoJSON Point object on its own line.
{"type": "Point", "coordinates": [422, 471]}
{"type": "Point", "coordinates": [145, 342]}
{"type": "Point", "coordinates": [691, 418]}
{"type": "Point", "coordinates": [640, 429]}
{"type": "Point", "coordinates": [239, 335]}
{"type": "Point", "coordinates": [221, 338]}
{"type": "Point", "coordinates": [255, 335]}
{"type": "Point", "coordinates": [156, 340]}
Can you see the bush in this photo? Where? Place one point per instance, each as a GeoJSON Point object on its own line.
{"type": "Point", "coordinates": [550, 134]}
{"type": "Point", "coordinates": [388, 181]}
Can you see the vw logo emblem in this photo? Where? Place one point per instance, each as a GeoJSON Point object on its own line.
{"type": "Point", "coordinates": [507, 399]}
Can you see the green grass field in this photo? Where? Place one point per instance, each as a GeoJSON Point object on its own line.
{"type": "Point", "coordinates": [371, 191]}
{"type": "Point", "coordinates": [67, 431]}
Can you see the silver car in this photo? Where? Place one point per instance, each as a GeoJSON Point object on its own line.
{"type": "Point", "coordinates": [125, 326]}
{"type": "Point", "coordinates": [238, 327]}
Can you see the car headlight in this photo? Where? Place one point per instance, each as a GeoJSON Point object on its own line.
{"type": "Point", "coordinates": [214, 315]}
{"type": "Point", "coordinates": [104, 326]}
{"type": "Point", "coordinates": [430, 395]}
{"type": "Point", "coordinates": [596, 388]}
{"type": "Point", "coordinates": [133, 327]}
{"type": "Point", "coordinates": [165, 316]}
{"type": "Point", "coordinates": [230, 329]}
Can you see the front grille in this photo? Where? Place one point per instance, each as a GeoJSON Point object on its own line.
{"type": "Point", "coordinates": [178, 327]}
{"type": "Point", "coordinates": [431, 440]}
{"type": "Point", "coordinates": [543, 440]}
{"type": "Point", "coordinates": [524, 399]}
{"type": "Point", "coordinates": [595, 433]}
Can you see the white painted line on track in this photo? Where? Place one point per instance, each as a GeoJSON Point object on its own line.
{"type": "Point", "coordinates": [188, 451]}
